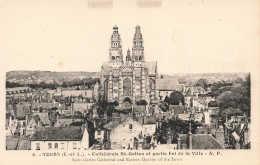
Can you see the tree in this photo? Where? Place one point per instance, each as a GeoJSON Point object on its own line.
{"type": "Point", "coordinates": [230, 112]}
{"type": "Point", "coordinates": [202, 82]}
{"type": "Point", "coordinates": [175, 98]}
{"type": "Point", "coordinates": [141, 102]}
{"type": "Point", "coordinates": [236, 98]}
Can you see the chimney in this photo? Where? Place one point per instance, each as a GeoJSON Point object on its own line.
{"type": "Point", "coordinates": [178, 143]}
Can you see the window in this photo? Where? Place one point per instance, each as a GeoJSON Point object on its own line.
{"type": "Point", "coordinates": [130, 126]}
{"type": "Point", "coordinates": [49, 146]}
{"type": "Point", "coordinates": [74, 145]}
{"type": "Point", "coordinates": [140, 58]}
{"type": "Point", "coordinates": [56, 145]}
{"type": "Point", "coordinates": [30, 125]}
{"type": "Point", "coordinates": [38, 146]}
{"type": "Point", "coordinates": [136, 58]}
{"type": "Point", "coordinates": [62, 146]}
{"type": "Point", "coordinates": [99, 132]}
{"type": "Point", "coordinates": [127, 87]}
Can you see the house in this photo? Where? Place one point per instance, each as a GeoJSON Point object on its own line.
{"type": "Point", "coordinates": [64, 121]}
{"type": "Point", "coordinates": [34, 122]}
{"type": "Point", "coordinates": [60, 138]}
{"type": "Point", "coordinates": [11, 142]}
{"type": "Point", "coordinates": [150, 124]}
{"type": "Point", "coordinates": [76, 93]}
{"type": "Point", "coordinates": [44, 117]}
{"type": "Point", "coordinates": [167, 86]}
{"type": "Point", "coordinates": [123, 133]}
{"type": "Point", "coordinates": [83, 108]}
{"type": "Point", "coordinates": [177, 109]}
{"type": "Point", "coordinates": [24, 143]}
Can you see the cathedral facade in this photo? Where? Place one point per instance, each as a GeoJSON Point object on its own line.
{"type": "Point", "coordinates": [131, 79]}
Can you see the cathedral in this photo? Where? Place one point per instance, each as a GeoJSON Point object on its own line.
{"type": "Point", "coordinates": [132, 79]}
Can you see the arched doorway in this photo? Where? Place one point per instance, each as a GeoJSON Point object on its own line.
{"type": "Point", "coordinates": [127, 87]}
{"type": "Point", "coordinates": [127, 103]}
{"type": "Point", "coordinates": [127, 100]}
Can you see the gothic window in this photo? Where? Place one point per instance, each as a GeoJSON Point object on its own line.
{"type": "Point", "coordinates": [152, 88]}
{"type": "Point", "coordinates": [152, 84]}
{"type": "Point", "coordinates": [127, 87]}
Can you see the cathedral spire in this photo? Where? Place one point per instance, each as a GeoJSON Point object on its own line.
{"type": "Point", "coordinates": [138, 49]}
{"type": "Point", "coordinates": [115, 51]}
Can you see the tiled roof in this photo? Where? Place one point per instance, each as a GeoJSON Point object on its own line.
{"type": "Point", "coordinates": [49, 105]}
{"type": "Point", "coordinates": [21, 111]}
{"type": "Point", "coordinates": [57, 133]}
{"type": "Point", "coordinates": [112, 124]}
{"type": "Point", "coordinates": [63, 122]}
{"type": "Point", "coordinates": [201, 141]}
{"type": "Point", "coordinates": [43, 116]}
{"type": "Point", "coordinates": [84, 93]}
{"type": "Point", "coordinates": [81, 107]}
{"type": "Point", "coordinates": [11, 143]}
{"type": "Point", "coordinates": [177, 109]}
{"type": "Point", "coordinates": [169, 84]}
{"type": "Point", "coordinates": [150, 120]}
{"type": "Point", "coordinates": [24, 143]}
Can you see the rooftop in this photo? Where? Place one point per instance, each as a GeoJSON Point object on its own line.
{"type": "Point", "coordinates": [57, 133]}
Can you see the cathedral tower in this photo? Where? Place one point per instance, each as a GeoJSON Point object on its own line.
{"type": "Point", "coordinates": [115, 50]}
{"type": "Point", "coordinates": [138, 49]}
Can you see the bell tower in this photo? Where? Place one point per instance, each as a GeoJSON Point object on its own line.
{"type": "Point", "coordinates": [138, 49]}
{"type": "Point", "coordinates": [115, 50]}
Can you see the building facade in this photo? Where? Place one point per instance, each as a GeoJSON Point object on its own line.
{"type": "Point", "coordinates": [130, 80]}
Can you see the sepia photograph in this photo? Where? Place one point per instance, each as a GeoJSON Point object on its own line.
{"type": "Point", "coordinates": [86, 80]}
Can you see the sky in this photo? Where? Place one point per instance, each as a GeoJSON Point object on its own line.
{"type": "Point", "coordinates": [189, 36]}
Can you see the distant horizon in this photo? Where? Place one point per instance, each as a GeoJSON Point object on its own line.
{"type": "Point", "coordinates": [100, 71]}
